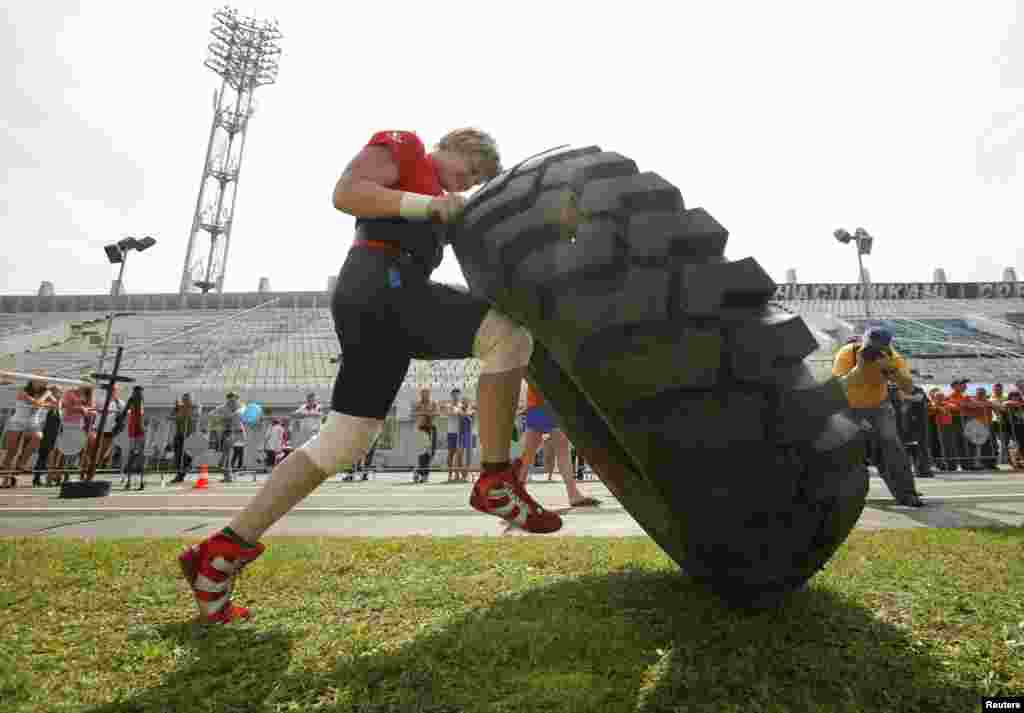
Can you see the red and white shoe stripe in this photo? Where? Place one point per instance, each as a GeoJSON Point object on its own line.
{"type": "Point", "coordinates": [212, 582]}
{"type": "Point", "coordinates": [515, 509]}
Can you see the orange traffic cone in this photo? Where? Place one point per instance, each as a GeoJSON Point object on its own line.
{"type": "Point", "coordinates": [204, 482]}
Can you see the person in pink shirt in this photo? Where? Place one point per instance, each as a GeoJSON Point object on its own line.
{"type": "Point", "coordinates": [79, 410]}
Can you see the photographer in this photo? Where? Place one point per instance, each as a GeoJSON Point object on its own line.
{"type": "Point", "coordinates": [866, 369]}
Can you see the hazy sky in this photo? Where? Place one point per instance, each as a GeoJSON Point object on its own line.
{"type": "Point", "coordinates": [785, 120]}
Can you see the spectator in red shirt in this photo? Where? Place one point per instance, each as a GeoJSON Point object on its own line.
{"type": "Point", "coordinates": [134, 420]}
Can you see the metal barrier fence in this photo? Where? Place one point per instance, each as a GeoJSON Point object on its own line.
{"type": "Point", "coordinates": [970, 444]}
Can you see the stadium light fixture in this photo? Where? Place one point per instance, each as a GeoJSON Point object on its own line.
{"type": "Point", "coordinates": [843, 236]}
{"type": "Point", "coordinates": [118, 252]}
{"type": "Point", "coordinates": [136, 244]}
{"type": "Point", "coordinates": [114, 253]}
{"type": "Point", "coordinates": [863, 242]}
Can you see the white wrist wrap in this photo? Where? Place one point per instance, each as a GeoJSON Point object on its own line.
{"type": "Point", "coordinates": [415, 206]}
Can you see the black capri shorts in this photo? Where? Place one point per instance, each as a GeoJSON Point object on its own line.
{"type": "Point", "coordinates": [386, 313]}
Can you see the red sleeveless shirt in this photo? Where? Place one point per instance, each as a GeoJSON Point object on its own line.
{"type": "Point", "coordinates": [416, 174]}
{"type": "Point", "coordinates": [416, 170]}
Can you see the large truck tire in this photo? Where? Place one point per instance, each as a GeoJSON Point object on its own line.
{"type": "Point", "coordinates": [673, 374]}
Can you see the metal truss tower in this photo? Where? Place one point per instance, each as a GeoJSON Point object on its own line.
{"type": "Point", "coordinates": [244, 53]}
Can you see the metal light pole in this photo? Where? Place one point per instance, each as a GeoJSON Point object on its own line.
{"type": "Point", "coordinates": [118, 253]}
{"type": "Point", "coordinates": [863, 241]}
{"type": "Point", "coordinates": [106, 339]}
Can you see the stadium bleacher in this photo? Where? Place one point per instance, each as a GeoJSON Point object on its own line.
{"type": "Point", "coordinates": [278, 344]}
{"type": "Point", "coordinates": [917, 337]}
{"type": "Point", "coordinates": [943, 338]}
{"type": "Point", "coordinates": [270, 347]}
{"type": "Point", "coordinates": [273, 348]}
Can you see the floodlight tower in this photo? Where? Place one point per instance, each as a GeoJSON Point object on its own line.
{"type": "Point", "coordinates": [244, 52]}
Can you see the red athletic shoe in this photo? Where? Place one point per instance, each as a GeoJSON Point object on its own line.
{"type": "Point", "coordinates": [210, 569]}
{"type": "Point", "coordinates": [501, 494]}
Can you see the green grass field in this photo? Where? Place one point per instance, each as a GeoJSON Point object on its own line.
{"type": "Point", "coordinates": [909, 620]}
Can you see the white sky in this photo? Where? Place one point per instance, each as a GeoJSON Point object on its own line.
{"type": "Point", "coordinates": [785, 120]}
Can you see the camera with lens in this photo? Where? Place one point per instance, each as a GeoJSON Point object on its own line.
{"type": "Point", "coordinates": [876, 352]}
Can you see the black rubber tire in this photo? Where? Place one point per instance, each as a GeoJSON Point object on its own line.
{"type": "Point", "coordinates": [667, 363]}
{"type": "Point", "coordinates": [85, 489]}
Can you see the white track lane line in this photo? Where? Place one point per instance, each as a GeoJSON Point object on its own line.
{"type": "Point", "coordinates": [418, 510]}
{"type": "Point", "coordinates": [340, 510]}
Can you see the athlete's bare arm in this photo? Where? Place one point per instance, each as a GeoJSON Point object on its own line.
{"type": "Point", "coordinates": [363, 190]}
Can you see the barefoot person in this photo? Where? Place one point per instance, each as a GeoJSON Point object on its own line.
{"type": "Point", "coordinates": [542, 421]}
{"type": "Point", "coordinates": [385, 312]}
{"type": "Point", "coordinates": [467, 419]}
{"type": "Point", "coordinates": [452, 411]}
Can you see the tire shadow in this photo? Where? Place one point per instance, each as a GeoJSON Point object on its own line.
{"type": "Point", "coordinates": [946, 515]}
{"type": "Point", "coordinates": [214, 673]}
{"type": "Point", "coordinates": [814, 652]}
{"type": "Point", "coordinates": [633, 640]}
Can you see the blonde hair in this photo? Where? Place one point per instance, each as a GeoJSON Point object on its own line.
{"type": "Point", "coordinates": [476, 145]}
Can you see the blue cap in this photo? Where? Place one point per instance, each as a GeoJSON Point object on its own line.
{"type": "Point", "coordinates": [878, 336]}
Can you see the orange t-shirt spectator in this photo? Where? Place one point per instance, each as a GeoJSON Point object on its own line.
{"type": "Point", "coordinates": [958, 396]}
{"type": "Point", "coordinates": [940, 410]}
{"type": "Point", "coordinates": [978, 408]}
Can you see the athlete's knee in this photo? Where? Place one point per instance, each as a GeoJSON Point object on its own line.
{"type": "Point", "coordinates": [342, 441]}
{"type": "Point", "coordinates": [501, 344]}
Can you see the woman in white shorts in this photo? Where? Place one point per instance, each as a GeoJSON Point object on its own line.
{"type": "Point", "coordinates": [78, 407]}
{"type": "Point", "coordinates": [106, 441]}
{"type": "Point", "coordinates": [25, 428]}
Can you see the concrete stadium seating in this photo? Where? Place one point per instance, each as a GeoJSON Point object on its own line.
{"type": "Point", "coordinates": [279, 344]}
{"type": "Point", "coordinates": [273, 350]}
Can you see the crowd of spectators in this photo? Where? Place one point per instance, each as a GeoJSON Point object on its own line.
{"type": "Point", "coordinates": [974, 431]}
{"type": "Point", "coordinates": [47, 416]}
{"type": "Point", "coordinates": [46, 412]}
{"type": "Point", "coordinates": [941, 429]}
{"type": "Point", "coordinates": [54, 428]}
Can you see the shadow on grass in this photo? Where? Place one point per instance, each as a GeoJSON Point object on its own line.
{"type": "Point", "coordinates": [1001, 531]}
{"type": "Point", "coordinates": [224, 668]}
{"type": "Point", "coordinates": [633, 640]}
{"type": "Point", "coordinates": [937, 514]}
